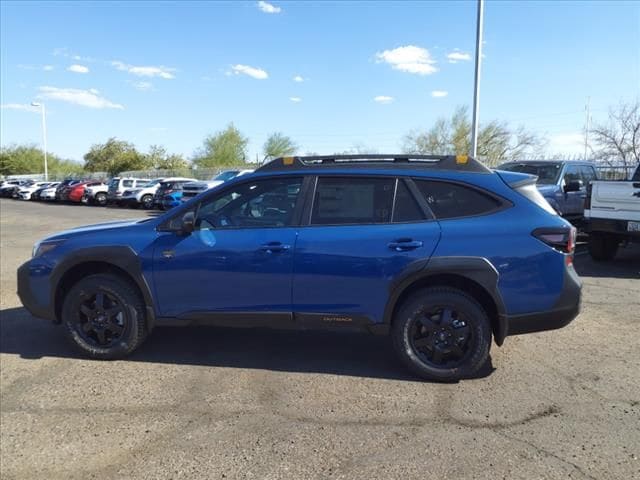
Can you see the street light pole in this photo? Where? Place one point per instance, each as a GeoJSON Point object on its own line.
{"type": "Point", "coordinates": [476, 87]}
{"type": "Point", "coordinates": [44, 137]}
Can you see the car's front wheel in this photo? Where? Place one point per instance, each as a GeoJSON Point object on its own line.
{"type": "Point", "coordinates": [442, 333]}
{"type": "Point", "coordinates": [104, 316]}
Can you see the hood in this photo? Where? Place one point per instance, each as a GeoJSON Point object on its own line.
{"type": "Point", "coordinates": [92, 228]}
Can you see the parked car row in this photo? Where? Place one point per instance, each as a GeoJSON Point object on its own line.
{"type": "Point", "coordinates": [160, 193]}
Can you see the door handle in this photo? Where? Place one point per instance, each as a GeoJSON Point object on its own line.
{"type": "Point", "coordinates": [404, 244]}
{"type": "Point", "coordinates": [274, 247]}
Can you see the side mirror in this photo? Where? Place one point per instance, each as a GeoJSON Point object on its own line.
{"type": "Point", "coordinates": [573, 186]}
{"type": "Point", "coordinates": [188, 223]}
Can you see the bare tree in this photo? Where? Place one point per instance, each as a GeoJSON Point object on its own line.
{"type": "Point", "coordinates": [617, 141]}
{"type": "Point", "coordinates": [496, 141]}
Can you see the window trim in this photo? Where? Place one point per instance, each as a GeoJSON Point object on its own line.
{"type": "Point", "coordinates": [504, 203]}
{"type": "Point", "coordinates": [297, 210]}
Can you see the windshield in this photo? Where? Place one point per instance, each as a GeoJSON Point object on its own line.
{"type": "Point", "coordinates": [228, 175]}
{"type": "Point", "coordinates": [547, 172]}
{"type": "Point", "coordinates": [151, 183]}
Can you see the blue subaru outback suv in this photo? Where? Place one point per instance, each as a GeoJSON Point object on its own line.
{"type": "Point", "coordinates": [439, 252]}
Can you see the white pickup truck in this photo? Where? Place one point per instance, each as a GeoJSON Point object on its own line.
{"type": "Point", "coordinates": [612, 215]}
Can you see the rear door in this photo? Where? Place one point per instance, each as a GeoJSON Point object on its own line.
{"type": "Point", "coordinates": [360, 234]}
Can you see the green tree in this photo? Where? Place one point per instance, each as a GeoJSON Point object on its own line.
{"type": "Point", "coordinates": [158, 158]}
{"type": "Point", "coordinates": [114, 156]}
{"type": "Point", "coordinates": [224, 148]}
{"type": "Point", "coordinates": [278, 145]}
{"type": "Point", "coordinates": [24, 159]}
{"type": "Point", "coordinates": [497, 142]}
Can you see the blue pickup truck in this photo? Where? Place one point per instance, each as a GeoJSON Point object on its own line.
{"type": "Point", "coordinates": [562, 183]}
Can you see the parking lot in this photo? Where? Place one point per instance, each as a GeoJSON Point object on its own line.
{"type": "Point", "coordinates": [222, 403]}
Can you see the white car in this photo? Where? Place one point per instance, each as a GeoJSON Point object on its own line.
{"type": "Point", "coordinates": [24, 193]}
{"type": "Point", "coordinates": [49, 193]}
{"type": "Point", "coordinates": [96, 194]}
{"type": "Point", "coordinates": [143, 194]}
{"type": "Point", "coordinates": [190, 190]}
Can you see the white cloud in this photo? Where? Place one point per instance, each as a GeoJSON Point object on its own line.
{"type": "Point", "coordinates": [567, 143]}
{"type": "Point", "coordinates": [78, 68]}
{"type": "Point", "coordinates": [254, 72]}
{"type": "Point", "coordinates": [86, 98]}
{"type": "Point", "coordinates": [295, 99]}
{"type": "Point", "coordinates": [143, 86]}
{"type": "Point", "coordinates": [146, 71]}
{"type": "Point", "coordinates": [298, 79]}
{"type": "Point", "coordinates": [268, 8]}
{"type": "Point", "coordinates": [25, 107]}
{"type": "Point", "coordinates": [47, 68]}
{"type": "Point", "coordinates": [409, 59]}
{"type": "Point", "coordinates": [458, 56]}
{"type": "Point", "coordinates": [439, 93]}
{"type": "Point", "coordinates": [384, 99]}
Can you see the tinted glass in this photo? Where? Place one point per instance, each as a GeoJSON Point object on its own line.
{"type": "Point", "coordinates": [406, 209]}
{"type": "Point", "coordinates": [572, 174]}
{"type": "Point", "coordinates": [352, 201]}
{"type": "Point", "coordinates": [547, 172]}
{"type": "Point", "coordinates": [451, 200]}
{"type": "Point", "coordinates": [636, 175]}
{"type": "Point", "coordinates": [588, 174]}
{"type": "Point", "coordinates": [266, 203]}
{"type": "Point", "coordinates": [127, 183]}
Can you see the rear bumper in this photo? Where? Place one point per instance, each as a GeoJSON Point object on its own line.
{"type": "Point", "coordinates": [607, 225]}
{"type": "Point", "coordinates": [563, 312]}
{"type": "Point", "coordinates": [28, 298]}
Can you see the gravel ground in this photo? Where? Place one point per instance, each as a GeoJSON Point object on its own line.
{"type": "Point", "coordinates": [221, 403]}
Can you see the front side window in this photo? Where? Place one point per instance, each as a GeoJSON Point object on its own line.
{"type": "Point", "coordinates": [259, 204]}
{"type": "Point", "coordinates": [452, 200]}
{"type": "Point", "coordinates": [340, 201]}
{"type": "Point", "coordinates": [572, 174]}
{"type": "Point", "coordinates": [588, 174]}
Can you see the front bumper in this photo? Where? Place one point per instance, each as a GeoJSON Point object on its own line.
{"type": "Point", "coordinates": [28, 297]}
{"type": "Point", "coordinates": [566, 308]}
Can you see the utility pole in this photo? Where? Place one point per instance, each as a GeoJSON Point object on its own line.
{"type": "Point", "coordinates": [587, 126]}
{"type": "Point", "coordinates": [44, 136]}
{"type": "Point", "coordinates": [476, 87]}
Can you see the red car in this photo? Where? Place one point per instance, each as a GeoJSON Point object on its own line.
{"type": "Point", "coordinates": [77, 191]}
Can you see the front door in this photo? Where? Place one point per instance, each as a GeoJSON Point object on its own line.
{"type": "Point", "coordinates": [238, 259]}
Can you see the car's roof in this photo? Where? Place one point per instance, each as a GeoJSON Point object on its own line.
{"type": "Point", "coordinates": [546, 162]}
{"type": "Point", "coordinates": [360, 163]}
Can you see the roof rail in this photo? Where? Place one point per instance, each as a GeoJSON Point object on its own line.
{"type": "Point", "coordinates": [395, 160]}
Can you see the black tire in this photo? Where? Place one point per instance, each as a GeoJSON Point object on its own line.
{"type": "Point", "coordinates": [91, 322]}
{"type": "Point", "coordinates": [100, 199]}
{"type": "Point", "coordinates": [147, 201]}
{"type": "Point", "coordinates": [438, 346]}
{"type": "Point", "coordinates": [602, 247]}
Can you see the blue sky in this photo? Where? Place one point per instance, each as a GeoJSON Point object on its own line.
{"type": "Point", "coordinates": [331, 75]}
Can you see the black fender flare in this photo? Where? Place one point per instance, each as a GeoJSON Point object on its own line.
{"type": "Point", "coordinates": [477, 269]}
{"type": "Point", "coordinates": [122, 257]}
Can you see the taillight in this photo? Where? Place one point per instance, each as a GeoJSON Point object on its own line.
{"type": "Point", "coordinates": [560, 239]}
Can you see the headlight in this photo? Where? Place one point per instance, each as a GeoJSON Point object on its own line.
{"type": "Point", "coordinates": [42, 247]}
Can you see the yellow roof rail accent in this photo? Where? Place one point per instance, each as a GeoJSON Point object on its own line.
{"type": "Point", "coordinates": [462, 159]}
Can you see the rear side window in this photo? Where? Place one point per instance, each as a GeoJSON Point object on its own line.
{"type": "Point", "coordinates": [127, 183]}
{"type": "Point", "coordinates": [451, 200]}
{"type": "Point", "coordinates": [355, 200]}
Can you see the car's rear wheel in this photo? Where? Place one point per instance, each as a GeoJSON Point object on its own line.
{"type": "Point", "coordinates": [442, 333]}
{"type": "Point", "coordinates": [147, 201]}
{"type": "Point", "coordinates": [101, 199]}
{"type": "Point", "coordinates": [602, 246]}
{"type": "Point", "coordinates": [104, 316]}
